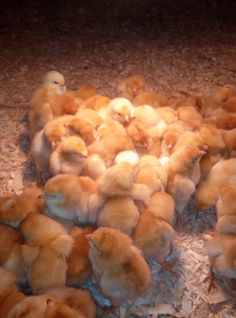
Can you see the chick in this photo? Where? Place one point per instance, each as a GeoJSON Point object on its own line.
{"type": "Point", "coordinates": [90, 115]}
{"type": "Point", "coordinates": [46, 268]}
{"type": "Point", "coordinates": [230, 104]}
{"type": "Point", "coordinates": [119, 109]}
{"type": "Point", "coordinates": [69, 156]}
{"type": "Point", "coordinates": [190, 115]}
{"type": "Point", "coordinates": [152, 174]}
{"type": "Point", "coordinates": [97, 102]}
{"type": "Point", "coordinates": [117, 180]}
{"type": "Point", "coordinates": [40, 230]}
{"type": "Point", "coordinates": [10, 296]}
{"type": "Point", "coordinates": [79, 267]}
{"type": "Point", "coordinates": [78, 299]}
{"type": "Point", "coordinates": [119, 213]}
{"type": "Point", "coordinates": [41, 150]}
{"type": "Point", "coordinates": [226, 202]}
{"type": "Point", "coordinates": [221, 252]}
{"type": "Point", "coordinates": [229, 137]}
{"type": "Point", "coordinates": [10, 251]}
{"type": "Point", "coordinates": [127, 156]}
{"type": "Point", "coordinates": [222, 173]}
{"type": "Point", "coordinates": [148, 98]}
{"type": "Point", "coordinates": [213, 100]}
{"type": "Point", "coordinates": [226, 210]}
{"type": "Point", "coordinates": [168, 114]}
{"type": "Point", "coordinates": [212, 138]}
{"type": "Point", "coordinates": [153, 236]}
{"type": "Point", "coordinates": [110, 127]}
{"type": "Point", "coordinates": [72, 198]}
{"type": "Point", "coordinates": [131, 86]}
{"type": "Point", "coordinates": [162, 206]}
{"type": "Point", "coordinates": [138, 133]}
{"type": "Point", "coordinates": [85, 91]}
{"type": "Point", "coordinates": [115, 142]}
{"type": "Point", "coordinates": [18, 207]}
{"type": "Point", "coordinates": [222, 121]}
{"type": "Point", "coordinates": [93, 167]}
{"type": "Point", "coordinates": [83, 127]}
{"type": "Point", "coordinates": [118, 265]}
{"type": "Point", "coordinates": [40, 111]}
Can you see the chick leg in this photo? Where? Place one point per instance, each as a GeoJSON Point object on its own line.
{"type": "Point", "coordinates": [169, 266]}
{"type": "Point", "coordinates": [211, 278]}
{"type": "Point", "coordinates": [179, 220]}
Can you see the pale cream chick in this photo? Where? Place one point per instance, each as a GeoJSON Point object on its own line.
{"type": "Point", "coordinates": [127, 156]}
{"type": "Point", "coordinates": [222, 173]}
{"type": "Point", "coordinates": [68, 157]}
{"type": "Point", "coordinates": [153, 236]}
{"type": "Point", "coordinates": [119, 109]}
{"type": "Point", "coordinates": [118, 265]}
{"type": "Point", "coordinates": [73, 198]}
{"type": "Point", "coordinates": [131, 86]}
{"type": "Point", "coordinates": [79, 266]}
{"type": "Point", "coordinates": [119, 213]}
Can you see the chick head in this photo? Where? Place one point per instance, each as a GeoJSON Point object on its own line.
{"type": "Point", "coordinates": [121, 109]}
{"type": "Point", "coordinates": [61, 188]}
{"type": "Point", "coordinates": [135, 85]}
{"type": "Point", "coordinates": [56, 79]}
{"type": "Point", "coordinates": [74, 149]}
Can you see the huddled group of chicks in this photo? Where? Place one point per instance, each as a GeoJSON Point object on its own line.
{"type": "Point", "coordinates": [112, 174]}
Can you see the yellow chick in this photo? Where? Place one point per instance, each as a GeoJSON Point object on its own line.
{"type": "Point", "coordinates": [10, 296]}
{"type": "Point", "coordinates": [97, 102]}
{"type": "Point", "coordinates": [69, 156]}
{"type": "Point", "coordinates": [127, 156]}
{"type": "Point", "coordinates": [78, 299]}
{"type": "Point", "coordinates": [226, 202]}
{"type": "Point", "coordinates": [91, 115]}
{"type": "Point", "coordinates": [168, 114]}
{"type": "Point", "coordinates": [41, 150]}
{"type": "Point", "coordinates": [229, 137]}
{"type": "Point", "coordinates": [93, 167]}
{"type": "Point", "coordinates": [138, 133]}
{"type": "Point", "coordinates": [46, 268]}
{"type": "Point", "coordinates": [222, 173]}
{"type": "Point", "coordinates": [40, 111]}
{"type": "Point", "coordinates": [153, 236]}
{"type": "Point", "coordinates": [190, 115]}
{"type": "Point", "coordinates": [118, 265]}
{"type": "Point", "coordinates": [212, 138]}
{"type": "Point", "coordinates": [162, 206]}
{"type": "Point", "coordinates": [230, 104]}
{"type": "Point", "coordinates": [221, 251]}
{"type": "Point", "coordinates": [151, 173]}
{"type": "Point", "coordinates": [17, 207]}
{"type": "Point", "coordinates": [115, 142]}
{"type": "Point", "coordinates": [85, 91]}
{"type": "Point", "coordinates": [222, 121]}
{"type": "Point", "coordinates": [131, 86]}
{"type": "Point", "coordinates": [74, 198]}
{"type": "Point", "coordinates": [119, 213]}
{"type": "Point", "coordinates": [10, 251]}
{"type": "Point", "coordinates": [79, 267]}
{"type": "Point", "coordinates": [40, 230]}
{"type": "Point", "coordinates": [153, 99]}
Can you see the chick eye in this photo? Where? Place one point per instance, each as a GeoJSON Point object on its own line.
{"type": "Point", "coordinates": [55, 82]}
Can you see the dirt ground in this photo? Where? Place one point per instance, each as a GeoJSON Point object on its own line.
{"type": "Point", "coordinates": [100, 44]}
